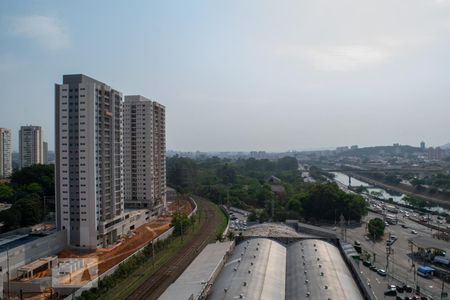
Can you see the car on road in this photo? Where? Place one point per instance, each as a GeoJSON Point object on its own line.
{"type": "Point", "coordinates": [399, 289]}
{"type": "Point", "coordinates": [357, 243]}
{"type": "Point", "coordinates": [407, 288]}
{"type": "Point", "coordinates": [404, 226]}
{"type": "Point", "coordinates": [367, 263]}
{"type": "Point", "coordinates": [413, 232]}
{"type": "Point", "coordinates": [381, 272]}
{"type": "Point", "coordinates": [373, 268]}
{"type": "Point", "coordinates": [390, 242]}
{"type": "Point", "coordinates": [390, 292]}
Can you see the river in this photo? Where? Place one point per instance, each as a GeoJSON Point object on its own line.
{"type": "Point", "coordinates": [382, 193]}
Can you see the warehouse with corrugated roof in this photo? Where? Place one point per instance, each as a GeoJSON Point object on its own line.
{"type": "Point", "coordinates": [261, 268]}
{"type": "Point", "coordinates": [273, 261]}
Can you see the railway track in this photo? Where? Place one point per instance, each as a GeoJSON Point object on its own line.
{"type": "Point", "coordinates": [156, 284]}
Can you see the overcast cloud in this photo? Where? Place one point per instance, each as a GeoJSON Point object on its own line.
{"type": "Point", "coordinates": [242, 75]}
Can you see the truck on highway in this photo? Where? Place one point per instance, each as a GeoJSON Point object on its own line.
{"type": "Point", "coordinates": [391, 219]}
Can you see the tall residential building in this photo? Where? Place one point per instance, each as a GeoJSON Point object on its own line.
{"type": "Point", "coordinates": [30, 146]}
{"type": "Point", "coordinates": [159, 153]}
{"type": "Point", "coordinates": [144, 153]}
{"type": "Point", "coordinates": [89, 161]}
{"type": "Point", "coordinates": [138, 152]}
{"type": "Point", "coordinates": [5, 152]}
{"type": "Point", "coordinates": [45, 153]}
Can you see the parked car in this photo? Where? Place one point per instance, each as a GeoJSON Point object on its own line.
{"type": "Point", "coordinates": [382, 272]}
{"type": "Point", "coordinates": [373, 268]}
{"type": "Point", "coordinates": [357, 243]}
{"type": "Point", "coordinates": [367, 263]}
{"type": "Point", "coordinates": [413, 232]}
{"type": "Point", "coordinates": [408, 288]}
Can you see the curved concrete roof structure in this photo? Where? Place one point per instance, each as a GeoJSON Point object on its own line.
{"type": "Point", "coordinates": [256, 270]}
{"type": "Point", "coordinates": [316, 270]}
{"type": "Point", "coordinates": [262, 268]}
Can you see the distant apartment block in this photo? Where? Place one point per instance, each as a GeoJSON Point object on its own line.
{"type": "Point", "coordinates": [5, 152]}
{"type": "Point", "coordinates": [144, 153]}
{"type": "Point", "coordinates": [30, 146]}
{"type": "Point", "coordinates": [434, 153]}
{"type": "Point", "coordinates": [45, 153]}
{"type": "Point", "coordinates": [422, 146]}
{"type": "Point", "coordinates": [89, 161]}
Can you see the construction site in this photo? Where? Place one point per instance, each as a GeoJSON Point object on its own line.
{"type": "Point", "coordinates": [57, 276]}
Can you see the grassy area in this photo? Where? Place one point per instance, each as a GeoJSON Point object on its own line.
{"type": "Point", "coordinates": [125, 287]}
{"type": "Point", "coordinates": [223, 220]}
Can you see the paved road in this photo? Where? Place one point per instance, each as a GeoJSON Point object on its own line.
{"type": "Point", "coordinates": [156, 284]}
{"type": "Point", "coordinates": [400, 263]}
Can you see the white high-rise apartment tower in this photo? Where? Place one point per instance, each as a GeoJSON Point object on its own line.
{"type": "Point", "coordinates": [30, 146]}
{"type": "Point", "coordinates": [89, 161]}
{"type": "Point", "coordinates": [159, 153]}
{"type": "Point", "coordinates": [144, 154]}
{"type": "Point", "coordinates": [5, 153]}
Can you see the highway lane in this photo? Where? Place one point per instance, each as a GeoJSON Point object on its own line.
{"type": "Point", "coordinates": [400, 262]}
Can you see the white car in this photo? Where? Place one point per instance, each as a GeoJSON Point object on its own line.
{"type": "Point", "coordinates": [413, 232]}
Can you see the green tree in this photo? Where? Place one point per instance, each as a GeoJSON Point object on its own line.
{"type": "Point", "coordinates": [30, 209]}
{"type": "Point", "coordinates": [376, 228]}
{"type": "Point", "coordinates": [11, 218]}
{"type": "Point", "coordinates": [6, 193]}
{"type": "Point", "coordinates": [253, 217]}
{"type": "Point", "coordinates": [40, 174]}
{"type": "Point", "coordinates": [181, 222]}
{"type": "Point", "coordinates": [287, 163]}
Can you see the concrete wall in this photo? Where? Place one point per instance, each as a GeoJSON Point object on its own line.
{"type": "Point", "coordinates": [24, 254]}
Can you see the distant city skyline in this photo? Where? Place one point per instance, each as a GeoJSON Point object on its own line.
{"type": "Point", "coordinates": [241, 76]}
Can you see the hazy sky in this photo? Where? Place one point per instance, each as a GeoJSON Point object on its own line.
{"type": "Point", "coordinates": [241, 75]}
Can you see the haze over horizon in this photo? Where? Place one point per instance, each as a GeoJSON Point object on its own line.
{"type": "Point", "coordinates": [241, 76]}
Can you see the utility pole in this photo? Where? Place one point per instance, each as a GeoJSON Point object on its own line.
{"type": "Point", "coordinates": [343, 231]}
{"type": "Point", "coordinates": [388, 252]}
{"type": "Point", "coordinates": [153, 254]}
{"type": "Point", "coordinates": [444, 294]}
{"type": "Point", "coordinates": [7, 262]}
{"type": "Point", "coordinates": [273, 208]}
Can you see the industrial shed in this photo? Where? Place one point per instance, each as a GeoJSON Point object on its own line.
{"type": "Point", "coordinates": [316, 270]}
{"type": "Point", "coordinates": [257, 270]}
{"type": "Point", "coordinates": [262, 268]}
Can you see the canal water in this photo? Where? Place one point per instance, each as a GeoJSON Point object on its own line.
{"type": "Point", "coordinates": [381, 193]}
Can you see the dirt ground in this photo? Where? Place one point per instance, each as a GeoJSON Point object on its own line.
{"type": "Point", "coordinates": [141, 236]}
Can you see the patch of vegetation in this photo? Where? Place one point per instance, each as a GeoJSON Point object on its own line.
{"type": "Point", "coordinates": [376, 228]}
{"type": "Point", "coordinates": [246, 183]}
{"type": "Point", "coordinates": [415, 202]}
{"type": "Point", "coordinates": [31, 193]}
